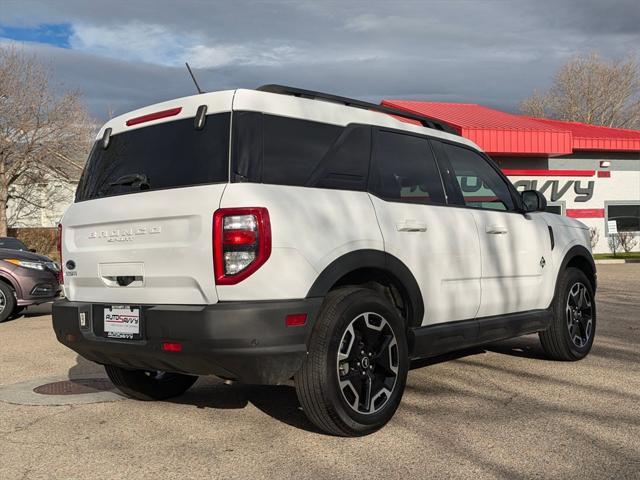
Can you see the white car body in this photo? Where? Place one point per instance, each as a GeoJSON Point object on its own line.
{"type": "Point", "coordinates": [281, 233]}
{"type": "Point", "coordinates": [165, 236]}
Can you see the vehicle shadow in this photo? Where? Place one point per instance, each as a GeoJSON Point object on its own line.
{"type": "Point", "coordinates": [280, 402]}
{"type": "Point", "coordinates": [83, 367]}
{"type": "Point", "coordinates": [277, 401]}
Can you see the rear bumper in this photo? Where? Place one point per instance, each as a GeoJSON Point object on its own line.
{"type": "Point", "coordinates": [244, 341]}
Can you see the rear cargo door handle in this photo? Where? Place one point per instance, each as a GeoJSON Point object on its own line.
{"type": "Point", "coordinates": [496, 230]}
{"type": "Point", "coordinates": [411, 226]}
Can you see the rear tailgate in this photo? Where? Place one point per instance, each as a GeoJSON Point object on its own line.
{"type": "Point", "coordinates": [140, 231]}
{"type": "Point", "coordinates": [163, 239]}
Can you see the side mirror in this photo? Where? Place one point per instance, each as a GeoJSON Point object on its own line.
{"type": "Point", "coordinates": [533, 201]}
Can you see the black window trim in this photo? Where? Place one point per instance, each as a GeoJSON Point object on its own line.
{"type": "Point", "coordinates": [375, 130]}
{"type": "Point", "coordinates": [446, 165]}
{"type": "Point", "coordinates": [618, 203]}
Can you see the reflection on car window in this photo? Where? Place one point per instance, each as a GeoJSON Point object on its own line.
{"type": "Point", "coordinates": [480, 184]}
{"type": "Point", "coordinates": [405, 170]}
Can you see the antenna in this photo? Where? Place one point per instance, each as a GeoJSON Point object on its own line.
{"type": "Point", "coordinates": [194, 79]}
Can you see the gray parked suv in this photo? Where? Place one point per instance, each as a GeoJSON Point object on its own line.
{"type": "Point", "coordinates": [26, 278]}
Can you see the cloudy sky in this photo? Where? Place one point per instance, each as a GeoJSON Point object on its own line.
{"type": "Point", "coordinates": [127, 54]}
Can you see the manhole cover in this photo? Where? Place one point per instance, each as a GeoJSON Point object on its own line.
{"type": "Point", "coordinates": [75, 387]}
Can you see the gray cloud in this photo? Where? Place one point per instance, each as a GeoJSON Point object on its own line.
{"type": "Point", "coordinates": [128, 54]}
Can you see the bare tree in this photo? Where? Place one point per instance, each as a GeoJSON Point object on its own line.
{"type": "Point", "coordinates": [592, 90]}
{"type": "Point", "coordinates": [627, 241]}
{"type": "Point", "coordinates": [594, 236]}
{"type": "Point", "coordinates": [614, 243]}
{"type": "Point", "coordinates": [42, 137]}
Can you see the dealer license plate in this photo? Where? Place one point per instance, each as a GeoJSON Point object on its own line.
{"type": "Point", "coordinates": [122, 321]}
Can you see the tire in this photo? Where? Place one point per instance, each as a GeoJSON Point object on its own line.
{"type": "Point", "coordinates": [7, 301]}
{"type": "Point", "coordinates": [357, 331]}
{"type": "Point", "coordinates": [147, 385]}
{"type": "Point", "coordinates": [572, 330]}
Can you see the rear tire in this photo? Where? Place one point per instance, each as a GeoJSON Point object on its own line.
{"type": "Point", "coordinates": [7, 301]}
{"type": "Point", "coordinates": [572, 330]}
{"type": "Point", "coordinates": [149, 385]}
{"type": "Point", "coordinates": [354, 375]}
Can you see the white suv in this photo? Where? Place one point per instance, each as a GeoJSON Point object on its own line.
{"type": "Point", "coordinates": [278, 233]}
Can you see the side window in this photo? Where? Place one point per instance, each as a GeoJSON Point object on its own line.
{"type": "Point", "coordinates": [481, 186]}
{"type": "Point", "coordinates": [289, 151]}
{"type": "Point", "coordinates": [405, 170]}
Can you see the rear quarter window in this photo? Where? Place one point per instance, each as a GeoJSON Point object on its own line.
{"type": "Point", "coordinates": [289, 151]}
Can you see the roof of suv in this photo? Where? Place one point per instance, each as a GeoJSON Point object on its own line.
{"type": "Point", "coordinates": [288, 105]}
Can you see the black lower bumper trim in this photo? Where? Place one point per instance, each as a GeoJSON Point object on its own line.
{"type": "Point", "coordinates": [244, 341]}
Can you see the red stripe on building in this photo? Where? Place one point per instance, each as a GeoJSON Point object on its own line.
{"type": "Point", "coordinates": [550, 173]}
{"type": "Point", "coordinates": [585, 212]}
{"type": "Point", "coordinates": [604, 174]}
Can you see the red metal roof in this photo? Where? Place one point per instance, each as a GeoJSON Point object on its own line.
{"type": "Point", "coordinates": [593, 137]}
{"type": "Point", "coordinates": [501, 133]}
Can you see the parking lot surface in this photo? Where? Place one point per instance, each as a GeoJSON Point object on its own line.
{"type": "Point", "coordinates": [502, 411]}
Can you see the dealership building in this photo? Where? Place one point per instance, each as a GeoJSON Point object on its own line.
{"type": "Point", "coordinates": [586, 172]}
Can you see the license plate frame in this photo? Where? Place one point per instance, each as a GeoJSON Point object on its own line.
{"type": "Point", "coordinates": [122, 322]}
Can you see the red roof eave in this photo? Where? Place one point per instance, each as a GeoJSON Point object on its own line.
{"type": "Point", "coordinates": [520, 142]}
{"type": "Point", "coordinates": [501, 133]}
{"type": "Point", "coordinates": [606, 144]}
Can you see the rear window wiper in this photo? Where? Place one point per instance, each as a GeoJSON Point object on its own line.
{"type": "Point", "coordinates": [133, 179]}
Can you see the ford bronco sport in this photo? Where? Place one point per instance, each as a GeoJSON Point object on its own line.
{"type": "Point", "coordinates": [275, 234]}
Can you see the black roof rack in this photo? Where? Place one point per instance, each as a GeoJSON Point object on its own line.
{"type": "Point", "coordinates": [299, 92]}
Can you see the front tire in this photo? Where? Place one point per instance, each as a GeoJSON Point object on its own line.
{"type": "Point", "coordinates": [149, 385]}
{"type": "Point", "coordinates": [572, 330]}
{"type": "Point", "coordinates": [354, 375]}
{"type": "Point", "coordinates": [7, 301]}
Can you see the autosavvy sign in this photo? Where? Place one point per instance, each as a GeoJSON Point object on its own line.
{"type": "Point", "coordinates": [554, 190]}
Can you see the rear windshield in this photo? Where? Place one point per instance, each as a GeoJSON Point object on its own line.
{"type": "Point", "coordinates": [168, 155]}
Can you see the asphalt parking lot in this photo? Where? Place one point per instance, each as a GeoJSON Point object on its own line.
{"type": "Point", "coordinates": [498, 412]}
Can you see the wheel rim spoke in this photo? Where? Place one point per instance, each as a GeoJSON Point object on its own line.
{"type": "Point", "coordinates": [579, 314]}
{"type": "Point", "coordinates": [347, 344]}
{"type": "Point", "coordinates": [367, 363]}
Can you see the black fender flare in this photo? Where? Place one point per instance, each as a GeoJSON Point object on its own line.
{"type": "Point", "coordinates": [368, 258]}
{"type": "Point", "coordinates": [577, 251]}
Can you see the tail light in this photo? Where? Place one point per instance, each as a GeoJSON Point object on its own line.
{"type": "Point", "coordinates": [61, 271]}
{"type": "Point", "coordinates": [241, 243]}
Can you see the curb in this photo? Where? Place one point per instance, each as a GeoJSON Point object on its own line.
{"type": "Point", "coordinates": [616, 261]}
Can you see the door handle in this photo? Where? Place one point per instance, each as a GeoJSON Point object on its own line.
{"type": "Point", "coordinates": [411, 226]}
{"type": "Point", "coordinates": [496, 230]}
